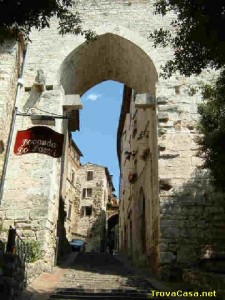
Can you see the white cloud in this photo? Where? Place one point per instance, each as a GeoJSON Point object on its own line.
{"type": "Point", "coordinates": [94, 97]}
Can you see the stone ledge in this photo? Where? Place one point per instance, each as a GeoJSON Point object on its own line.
{"type": "Point", "coordinates": [205, 280]}
{"type": "Point", "coordinates": [35, 269]}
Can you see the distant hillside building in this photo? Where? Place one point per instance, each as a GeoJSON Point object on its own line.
{"type": "Point", "coordinates": [95, 184]}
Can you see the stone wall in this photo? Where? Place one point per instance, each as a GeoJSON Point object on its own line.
{"type": "Point", "coordinates": [210, 281]}
{"type": "Point", "coordinates": [190, 213]}
{"type": "Point", "coordinates": [31, 194]}
{"type": "Point", "coordinates": [10, 59]}
{"type": "Point", "coordinates": [33, 270]}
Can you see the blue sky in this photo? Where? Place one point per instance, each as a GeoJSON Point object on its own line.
{"type": "Point", "coordinates": [98, 126]}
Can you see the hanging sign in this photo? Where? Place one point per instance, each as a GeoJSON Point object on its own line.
{"type": "Point", "coordinates": [39, 139]}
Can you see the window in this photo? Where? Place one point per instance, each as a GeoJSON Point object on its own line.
{"type": "Point", "coordinates": [72, 153]}
{"type": "Point", "coordinates": [104, 197]}
{"type": "Point", "coordinates": [87, 193]}
{"type": "Point", "coordinates": [69, 211]}
{"type": "Point", "coordinates": [72, 177]}
{"type": "Point", "coordinates": [77, 158]}
{"type": "Point", "coordinates": [90, 175]}
{"type": "Point", "coordinates": [134, 114]}
{"type": "Point", "coordinates": [135, 165]}
{"type": "Point", "coordinates": [122, 143]}
{"type": "Point", "coordinates": [2, 147]}
{"type": "Point", "coordinates": [86, 211]}
{"type": "Point", "coordinates": [134, 129]}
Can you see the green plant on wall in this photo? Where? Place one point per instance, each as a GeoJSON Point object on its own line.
{"type": "Point", "coordinates": [33, 250]}
{"type": "Point", "coordinates": [109, 205]}
{"type": "Point", "coordinates": [212, 129]}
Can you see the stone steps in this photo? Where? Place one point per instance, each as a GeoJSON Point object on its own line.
{"type": "Point", "coordinates": [101, 277]}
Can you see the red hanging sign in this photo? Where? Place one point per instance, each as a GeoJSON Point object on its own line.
{"type": "Point", "coordinates": [39, 139]}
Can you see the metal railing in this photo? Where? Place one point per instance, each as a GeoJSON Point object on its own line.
{"type": "Point", "coordinates": [16, 246]}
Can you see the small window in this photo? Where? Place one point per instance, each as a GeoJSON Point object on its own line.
{"type": "Point", "coordinates": [87, 193]}
{"type": "Point", "coordinates": [77, 159]}
{"type": "Point", "coordinates": [104, 197]}
{"type": "Point", "coordinates": [86, 211]}
{"type": "Point", "coordinates": [121, 144]}
{"type": "Point", "coordinates": [69, 211]}
{"type": "Point", "coordinates": [134, 129]}
{"type": "Point", "coordinates": [130, 139]}
{"type": "Point", "coordinates": [135, 165]}
{"type": "Point", "coordinates": [90, 175]}
{"type": "Point", "coordinates": [2, 147]}
{"type": "Point", "coordinates": [135, 113]}
{"type": "Point", "coordinates": [72, 176]}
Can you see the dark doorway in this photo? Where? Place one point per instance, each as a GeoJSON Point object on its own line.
{"type": "Point", "coordinates": [142, 222]}
{"type": "Point", "coordinates": [113, 234]}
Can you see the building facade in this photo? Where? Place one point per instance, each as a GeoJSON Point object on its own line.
{"type": "Point", "coordinates": [170, 218]}
{"type": "Point", "coordinates": [71, 190]}
{"type": "Point", "coordinates": [96, 190]}
{"type": "Point", "coordinates": [139, 209]}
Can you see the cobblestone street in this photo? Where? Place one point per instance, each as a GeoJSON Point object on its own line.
{"type": "Point", "coordinates": [90, 276]}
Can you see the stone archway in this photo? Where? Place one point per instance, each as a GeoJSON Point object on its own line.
{"type": "Point", "coordinates": [113, 56]}
{"type": "Point", "coordinates": [110, 57]}
{"type": "Point", "coordinates": [112, 221]}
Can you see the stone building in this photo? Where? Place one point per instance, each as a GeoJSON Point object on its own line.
{"type": "Point", "coordinates": [11, 58]}
{"type": "Point", "coordinates": [96, 187]}
{"type": "Point", "coordinates": [70, 194]}
{"type": "Point", "coordinates": [184, 222]}
{"type": "Point", "coordinates": [32, 185]}
{"type": "Point", "coordinates": [139, 209]}
{"type": "Point", "coordinates": [177, 223]}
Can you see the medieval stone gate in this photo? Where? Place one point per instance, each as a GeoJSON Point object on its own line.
{"type": "Point", "coordinates": [122, 52]}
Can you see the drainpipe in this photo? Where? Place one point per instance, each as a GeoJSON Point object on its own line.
{"type": "Point", "coordinates": [12, 125]}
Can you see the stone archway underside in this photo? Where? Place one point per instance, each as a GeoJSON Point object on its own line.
{"type": "Point", "coordinates": [110, 57]}
{"type": "Point", "coordinates": [113, 221]}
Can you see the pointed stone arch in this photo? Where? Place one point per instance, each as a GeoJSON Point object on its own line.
{"type": "Point", "coordinates": [113, 220]}
{"type": "Point", "coordinates": [117, 54]}
{"type": "Point", "coordinates": [112, 56]}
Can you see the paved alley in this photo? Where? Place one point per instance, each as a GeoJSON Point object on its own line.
{"type": "Point", "coordinates": [93, 276]}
